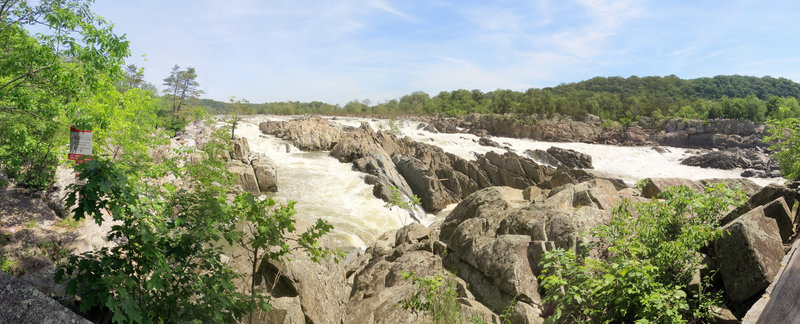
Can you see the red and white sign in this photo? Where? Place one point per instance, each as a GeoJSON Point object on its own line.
{"type": "Point", "coordinates": [80, 145]}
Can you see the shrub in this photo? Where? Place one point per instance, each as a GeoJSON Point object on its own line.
{"type": "Point", "coordinates": [648, 262]}
{"type": "Point", "coordinates": [436, 295]}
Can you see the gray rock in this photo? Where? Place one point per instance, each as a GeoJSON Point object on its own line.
{"type": "Point", "coordinates": [783, 216]}
{"type": "Point", "coordinates": [245, 175]}
{"type": "Point", "coordinates": [654, 186]}
{"type": "Point", "coordinates": [764, 196]}
{"type": "Point", "coordinates": [265, 173]}
{"type": "Point", "coordinates": [571, 158]}
{"type": "Point", "coordinates": [241, 149]}
{"type": "Point", "coordinates": [749, 256]}
{"type": "Point", "coordinates": [483, 141]}
{"type": "Point", "coordinates": [543, 156]}
{"type": "Point", "coordinates": [22, 303]}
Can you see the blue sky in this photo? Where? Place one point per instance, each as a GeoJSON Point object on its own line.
{"type": "Point", "coordinates": [336, 51]}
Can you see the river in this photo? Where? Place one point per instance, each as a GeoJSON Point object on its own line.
{"type": "Point", "coordinates": [325, 188]}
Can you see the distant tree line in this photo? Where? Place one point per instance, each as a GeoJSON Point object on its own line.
{"type": "Point", "coordinates": [612, 98]}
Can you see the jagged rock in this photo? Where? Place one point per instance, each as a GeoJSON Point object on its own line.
{"type": "Point", "coordinates": [543, 157]}
{"type": "Point", "coordinates": [599, 193]}
{"type": "Point", "coordinates": [654, 186]}
{"type": "Point", "coordinates": [320, 287]}
{"type": "Point", "coordinates": [750, 256]}
{"type": "Point", "coordinates": [22, 303]}
{"type": "Point", "coordinates": [486, 205]}
{"type": "Point", "coordinates": [571, 158]}
{"type": "Point", "coordinates": [533, 193]}
{"type": "Point", "coordinates": [783, 216]}
{"type": "Point", "coordinates": [732, 159]}
{"type": "Point", "coordinates": [424, 182]}
{"type": "Point", "coordinates": [764, 196]}
{"type": "Point", "coordinates": [308, 134]}
{"type": "Point", "coordinates": [245, 175]}
{"type": "Point", "coordinates": [241, 149]}
{"type": "Point", "coordinates": [265, 173]}
{"type": "Point", "coordinates": [488, 142]}
{"type": "Point", "coordinates": [511, 170]}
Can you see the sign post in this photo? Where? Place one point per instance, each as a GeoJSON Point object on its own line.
{"type": "Point", "coordinates": [80, 145]}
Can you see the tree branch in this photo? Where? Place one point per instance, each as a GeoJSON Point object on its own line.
{"type": "Point", "coordinates": [32, 114]}
{"type": "Point", "coordinates": [28, 74]}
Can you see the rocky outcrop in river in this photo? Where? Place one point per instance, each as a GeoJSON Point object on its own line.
{"type": "Point", "coordinates": [438, 178]}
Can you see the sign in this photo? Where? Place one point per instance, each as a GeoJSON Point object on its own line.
{"type": "Point", "coordinates": [80, 145]}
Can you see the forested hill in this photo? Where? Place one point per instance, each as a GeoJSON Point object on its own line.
{"type": "Point", "coordinates": [614, 98]}
{"type": "Point", "coordinates": [732, 86]}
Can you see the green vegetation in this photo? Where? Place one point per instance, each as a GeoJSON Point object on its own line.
{"type": "Point", "coordinates": [169, 264]}
{"type": "Point", "coordinates": [646, 264]}
{"type": "Point", "coordinates": [265, 237]}
{"type": "Point", "coordinates": [623, 100]}
{"type": "Point", "coordinates": [784, 134]}
{"type": "Point", "coordinates": [435, 295]}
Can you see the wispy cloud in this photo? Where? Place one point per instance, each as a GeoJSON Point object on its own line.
{"type": "Point", "coordinates": [340, 50]}
{"type": "Point", "coordinates": [385, 6]}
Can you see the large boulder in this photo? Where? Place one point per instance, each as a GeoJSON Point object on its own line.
{"type": "Point", "coordinates": [654, 186]}
{"type": "Point", "coordinates": [424, 183]}
{"type": "Point", "coordinates": [571, 158]}
{"type": "Point", "coordinates": [245, 176]}
{"type": "Point", "coordinates": [511, 170]}
{"type": "Point", "coordinates": [543, 156]}
{"type": "Point", "coordinates": [764, 196]}
{"type": "Point", "coordinates": [783, 216]}
{"type": "Point", "coordinates": [266, 175]}
{"type": "Point", "coordinates": [598, 193]}
{"type": "Point", "coordinates": [749, 255]}
{"type": "Point", "coordinates": [308, 134]}
{"type": "Point", "coordinates": [22, 303]}
{"type": "Point", "coordinates": [241, 149]}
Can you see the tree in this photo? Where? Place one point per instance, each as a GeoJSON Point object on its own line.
{"type": "Point", "coordinates": [45, 78]}
{"type": "Point", "coordinates": [239, 107]}
{"type": "Point", "coordinates": [784, 134]}
{"type": "Point", "coordinates": [181, 86]}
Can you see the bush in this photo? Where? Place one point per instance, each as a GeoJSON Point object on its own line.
{"type": "Point", "coordinates": [647, 262]}
{"type": "Point", "coordinates": [436, 295]}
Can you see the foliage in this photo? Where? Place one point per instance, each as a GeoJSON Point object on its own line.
{"type": "Point", "coordinates": [400, 200]}
{"type": "Point", "coordinates": [168, 265]}
{"type": "Point", "coordinates": [436, 295]}
{"type": "Point", "coordinates": [784, 134]}
{"type": "Point", "coordinates": [239, 108]}
{"type": "Point", "coordinates": [623, 100]}
{"type": "Point", "coordinates": [267, 227]}
{"type": "Point", "coordinates": [7, 264]}
{"type": "Point", "coordinates": [181, 86]}
{"type": "Point", "coordinates": [648, 261]}
{"type": "Point", "coordinates": [43, 76]}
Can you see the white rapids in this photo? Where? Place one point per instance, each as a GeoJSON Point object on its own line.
{"type": "Point", "coordinates": [325, 188]}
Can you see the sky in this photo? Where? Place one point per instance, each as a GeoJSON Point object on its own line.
{"type": "Point", "coordinates": [338, 51]}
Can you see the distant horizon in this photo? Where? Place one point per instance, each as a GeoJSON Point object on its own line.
{"type": "Point", "coordinates": [335, 52]}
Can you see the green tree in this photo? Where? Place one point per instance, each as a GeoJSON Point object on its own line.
{"type": "Point", "coordinates": [784, 135]}
{"type": "Point", "coordinates": [181, 86]}
{"type": "Point", "coordinates": [44, 77]}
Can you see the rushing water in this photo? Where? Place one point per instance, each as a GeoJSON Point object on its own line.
{"type": "Point", "coordinates": [325, 188]}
